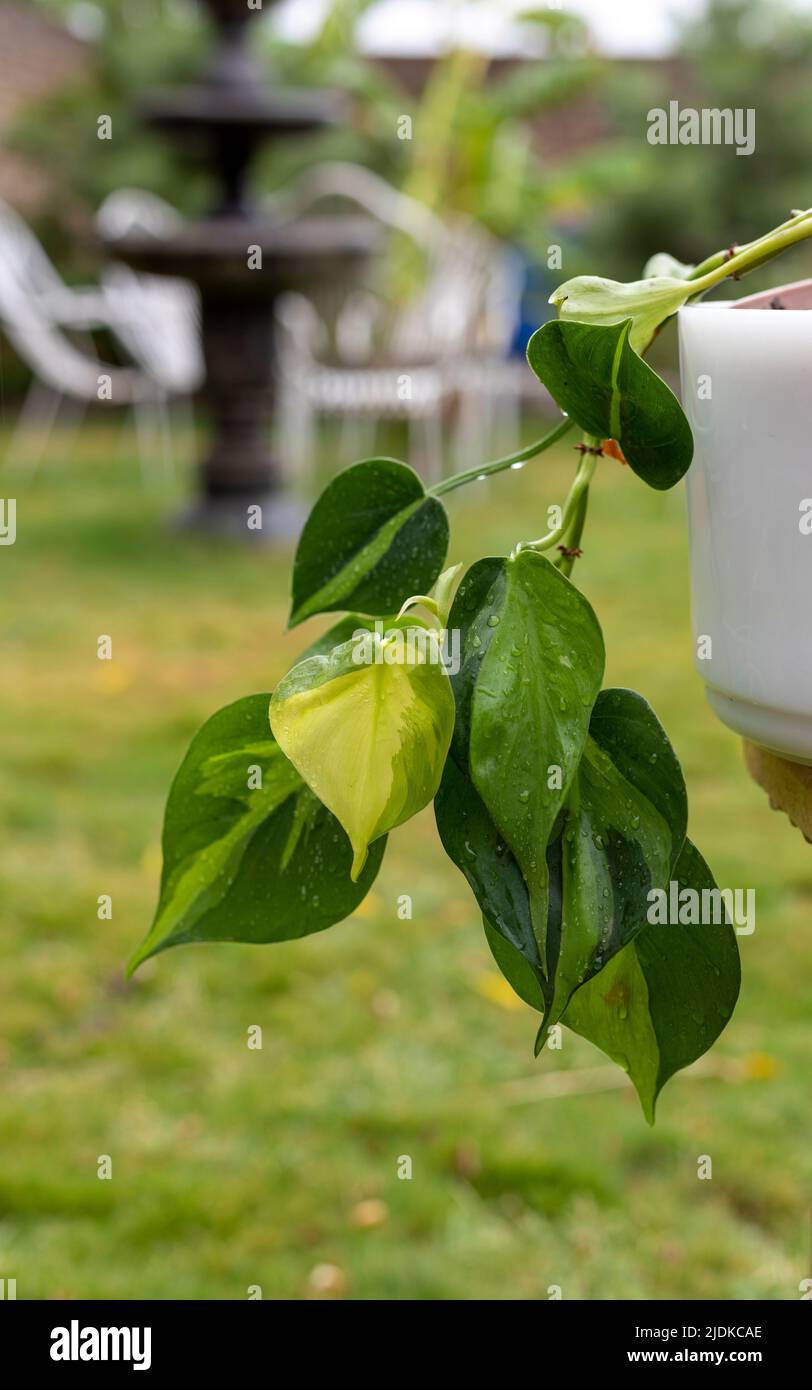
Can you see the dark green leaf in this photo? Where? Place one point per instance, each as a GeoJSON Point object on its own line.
{"type": "Point", "coordinates": [626, 727]}
{"type": "Point", "coordinates": [531, 670]}
{"type": "Point", "coordinates": [623, 828]}
{"type": "Point", "coordinates": [594, 374]}
{"type": "Point", "coordinates": [467, 831]}
{"type": "Point", "coordinates": [517, 970]}
{"type": "Point", "coordinates": [665, 998]}
{"type": "Point", "coordinates": [243, 862]}
{"type": "Point", "coordinates": [616, 847]}
{"type": "Point", "coordinates": [620, 829]}
{"type": "Point", "coordinates": [472, 842]}
{"type": "Point", "coordinates": [531, 661]}
{"type": "Point", "coordinates": [373, 539]}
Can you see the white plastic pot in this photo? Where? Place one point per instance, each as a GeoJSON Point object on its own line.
{"type": "Point", "coordinates": [747, 391]}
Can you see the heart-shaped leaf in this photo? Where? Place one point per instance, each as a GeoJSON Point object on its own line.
{"type": "Point", "coordinates": [618, 830]}
{"type": "Point", "coordinates": [665, 998]}
{"type": "Point", "coordinates": [615, 847]}
{"type": "Point", "coordinates": [531, 662]}
{"type": "Point", "coordinates": [622, 828]}
{"type": "Point", "coordinates": [466, 828]}
{"type": "Point", "coordinates": [249, 853]}
{"type": "Point", "coordinates": [660, 1003]}
{"type": "Point", "coordinates": [368, 728]}
{"type": "Point", "coordinates": [660, 1000]}
{"type": "Point", "coordinates": [531, 670]}
{"type": "Point", "coordinates": [594, 374]}
{"type": "Point", "coordinates": [373, 538]}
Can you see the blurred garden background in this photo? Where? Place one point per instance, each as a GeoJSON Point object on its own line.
{"type": "Point", "coordinates": [382, 1037]}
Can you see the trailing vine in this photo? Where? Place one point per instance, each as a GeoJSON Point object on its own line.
{"type": "Point", "coordinates": [561, 802]}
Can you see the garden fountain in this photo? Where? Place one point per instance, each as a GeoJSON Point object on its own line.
{"type": "Point", "coordinates": [242, 259]}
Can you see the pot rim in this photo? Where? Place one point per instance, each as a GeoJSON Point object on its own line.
{"type": "Point", "coordinates": [764, 299]}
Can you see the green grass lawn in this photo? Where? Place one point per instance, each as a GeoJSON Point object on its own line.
{"type": "Point", "coordinates": [382, 1038]}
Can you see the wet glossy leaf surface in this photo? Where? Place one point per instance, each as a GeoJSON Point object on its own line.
{"type": "Point", "coordinates": [594, 374]}
{"type": "Point", "coordinates": [625, 726]}
{"type": "Point", "coordinates": [615, 848]}
{"type": "Point", "coordinates": [373, 538]}
{"type": "Point", "coordinates": [532, 658]}
{"type": "Point", "coordinates": [368, 729]}
{"type": "Point", "coordinates": [531, 670]}
{"type": "Point", "coordinates": [664, 1000]}
{"type": "Point", "coordinates": [249, 853]}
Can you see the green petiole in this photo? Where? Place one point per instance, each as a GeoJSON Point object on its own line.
{"type": "Point", "coordinates": [578, 490]}
{"type": "Point", "coordinates": [473, 475]}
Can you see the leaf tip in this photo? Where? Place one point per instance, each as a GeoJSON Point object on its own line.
{"type": "Point", "coordinates": [135, 961]}
{"type": "Point", "coordinates": [359, 859]}
{"type": "Point", "coordinates": [648, 1105]}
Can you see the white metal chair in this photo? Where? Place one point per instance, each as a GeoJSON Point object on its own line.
{"type": "Point", "coordinates": [359, 394]}
{"type": "Point", "coordinates": [157, 317]}
{"type": "Point", "coordinates": [407, 362]}
{"type": "Point", "coordinates": [38, 312]}
{"type": "Point", "coordinates": [41, 316]}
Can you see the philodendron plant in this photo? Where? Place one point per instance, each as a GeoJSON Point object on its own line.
{"type": "Point", "coordinates": [561, 802]}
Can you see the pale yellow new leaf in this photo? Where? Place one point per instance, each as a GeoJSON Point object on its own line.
{"type": "Point", "coordinates": [368, 729]}
{"type": "Point", "coordinates": [648, 303]}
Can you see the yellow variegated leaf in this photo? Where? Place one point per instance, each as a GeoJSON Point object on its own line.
{"type": "Point", "coordinates": [368, 729]}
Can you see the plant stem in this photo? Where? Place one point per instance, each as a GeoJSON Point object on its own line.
{"type": "Point", "coordinates": [720, 258]}
{"type": "Point", "coordinates": [580, 487]}
{"type": "Point", "coordinates": [756, 252]}
{"type": "Point", "coordinates": [530, 451]}
{"type": "Point", "coordinates": [573, 538]}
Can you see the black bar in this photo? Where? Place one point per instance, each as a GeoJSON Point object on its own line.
{"type": "Point", "coordinates": [242, 1338]}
